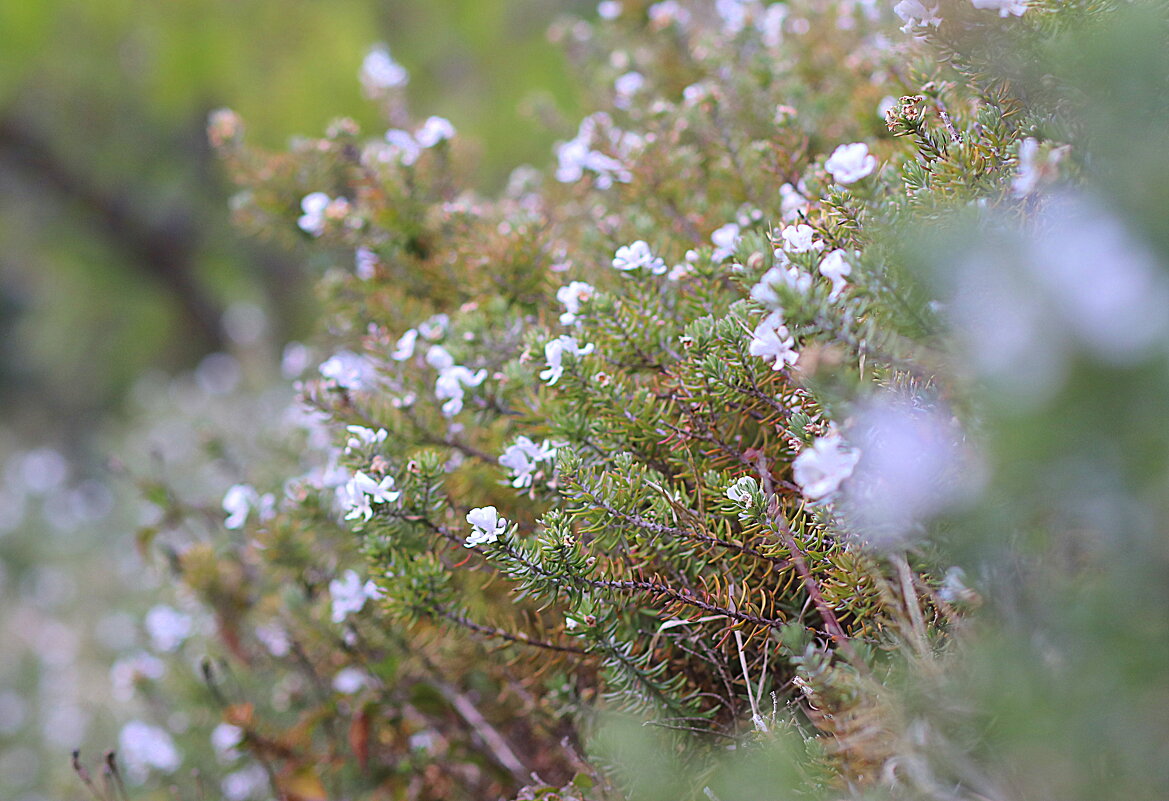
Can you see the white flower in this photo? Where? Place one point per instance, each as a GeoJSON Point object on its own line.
{"type": "Point", "coordinates": [403, 146]}
{"type": "Point", "coordinates": [364, 263]}
{"type": "Point", "coordinates": [823, 467]}
{"type": "Point", "coordinates": [626, 86]}
{"type": "Point", "coordinates": [449, 387]}
{"type": "Point", "coordinates": [486, 526]}
{"type": "Point", "coordinates": [237, 502]}
{"type": "Point", "coordinates": [350, 371]}
{"type": "Point", "coordinates": [1004, 7]}
{"type": "Point", "coordinates": [576, 155]}
{"type": "Point", "coordinates": [725, 239]}
{"type": "Point", "coordinates": [362, 437]}
{"type": "Point", "coordinates": [438, 358]}
{"type": "Point", "coordinates": [433, 131]}
{"type": "Point", "coordinates": [632, 257]}
{"type": "Point", "coordinates": [554, 354]}
{"type": "Point", "coordinates": [313, 220]}
{"type": "Point", "coordinates": [835, 268]}
{"type": "Point", "coordinates": [404, 347]}
{"type": "Point", "coordinates": [349, 595]}
{"type": "Point", "coordinates": [167, 627]}
{"type": "Point", "coordinates": [247, 783]}
{"type": "Point", "coordinates": [361, 491]}
{"type": "Point", "coordinates": [379, 71]}
{"type": "Point", "coordinates": [571, 297]}
{"type": "Point", "coordinates": [128, 671]}
{"type": "Point", "coordinates": [914, 13]}
{"type": "Point", "coordinates": [773, 342]}
{"type": "Point", "coordinates": [274, 638]}
{"type": "Point", "coordinates": [350, 680]}
{"type": "Point", "coordinates": [782, 274]}
{"type": "Point", "coordinates": [609, 9]}
{"type": "Point", "coordinates": [143, 747]}
{"type": "Point", "coordinates": [800, 238]}
{"type": "Point", "coordinates": [668, 11]}
{"type": "Point", "coordinates": [521, 459]}
{"type": "Point", "coordinates": [224, 739]}
{"type": "Point", "coordinates": [792, 203]}
{"type": "Point", "coordinates": [849, 163]}
{"type": "Point", "coordinates": [742, 490]}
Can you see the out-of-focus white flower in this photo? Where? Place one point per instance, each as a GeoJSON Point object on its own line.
{"type": "Point", "coordinates": [350, 371]}
{"type": "Point", "coordinates": [821, 468]}
{"type": "Point", "coordinates": [364, 263]}
{"type": "Point", "coordinates": [914, 464]}
{"type": "Point", "coordinates": [792, 203]}
{"type": "Point", "coordinates": [571, 296]}
{"type": "Point", "coordinates": [379, 71]}
{"type": "Point", "coordinates": [224, 739]}
{"type": "Point", "coordinates": [577, 155]}
{"type": "Point", "coordinates": [127, 672]}
{"type": "Point", "coordinates": [403, 146]}
{"type": "Point", "coordinates": [349, 595]}
{"type": "Point", "coordinates": [274, 638]}
{"type": "Point", "coordinates": [916, 13]}
{"type": "Point", "coordinates": [350, 680]}
{"type": "Point", "coordinates": [522, 457]}
{"type": "Point", "coordinates": [167, 627]}
{"type": "Point", "coordinates": [850, 163]}
{"type": "Point", "coordinates": [360, 437]}
{"type": "Point", "coordinates": [438, 358]}
{"type": "Point", "coordinates": [954, 587]}
{"type": "Point", "coordinates": [244, 784]}
{"type": "Point", "coordinates": [725, 239]}
{"type": "Point", "coordinates": [625, 87]}
{"type": "Point", "coordinates": [772, 342]}
{"type": "Point", "coordinates": [800, 238]}
{"type": "Point", "coordinates": [434, 326]}
{"type": "Point", "coordinates": [609, 9]}
{"type": "Point", "coordinates": [449, 387]}
{"type": "Point", "coordinates": [144, 747]}
{"type": "Point", "coordinates": [404, 348]}
{"type": "Point", "coordinates": [668, 12]}
{"type": "Point", "coordinates": [835, 269]}
{"type": "Point", "coordinates": [638, 255]}
{"type": "Point", "coordinates": [1004, 7]}
{"type": "Point", "coordinates": [240, 499]}
{"type": "Point", "coordinates": [433, 131]}
{"type": "Point", "coordinates": [554, 354]}
{"type": "Point", "coordinates": [313, 220]}
{"type": "Point", "coordinates": [486, 526]}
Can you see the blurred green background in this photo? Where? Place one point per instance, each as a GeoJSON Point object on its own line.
{"type": "Point", "coordinates": [119, 267]}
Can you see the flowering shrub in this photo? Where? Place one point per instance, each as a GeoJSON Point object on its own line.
{"type": "Point", "coordinates": [755, 402]}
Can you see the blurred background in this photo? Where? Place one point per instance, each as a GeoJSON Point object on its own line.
{"type": "Point", "coordinates": [125, 294]}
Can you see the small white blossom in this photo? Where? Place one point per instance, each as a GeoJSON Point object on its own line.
{"type": "Point", "coordinates": [571, 297]}
{"type": "Point", "coordinates": [667, 12]}
{"type": "Point", "coordinates": [224, 739]}
{"type": "Point", "coordinates": [823, 467]}
{"type": "Point", "coordinates": [835, 268]}
{"type": "Point", "coordinates": [127, 672]}
{"type": "Point", "coordinates": [637, 255]}
{"type": "Point", "coordinates": [554, 354]}
{"type": "Point", "coordinates": [361, 492]}
{"type": "Point", "coordinates": [434, 326]}
{"type": "Point", "coordinates": [916, 13]}
{"type": "Point", "coordinates": [773, 342]}
{"type": "Point", "coordinates": [167, 627]}
{"type": "Point", "coordinates": [350, 371]}
{"type": "Point", "coordinates": [361, 437]}
{"type": "Point", "coordinates": [577, 155]}
{"type": "Point", "coordinates": [1004, 7]}
{"type": "Point", "coordinates": [725, 239]}
{"type": "Point", "coordinates": [742, 490]}
{"type": "Point", "coordinates": [404, 347]}
{"type": "Point", "coordinates": [313, 220]}
{"type": "Point", "coordinates": [364, 263]}
{"type": "Point", "coordinates": [143, 747]}
{"type": "Point", "coordinates": [379, 71]}
{"type": "Point", "coordinates": [449, 387]}
{"type": "Point", "coordinates": [626, 86]}
{"type": "Point", "coordinates": [800, 238]}
{"type": "Point", "coordinates": [244, 784]}
{"type": "Point", "coordinates": [274, 639]}
{"type": "Point", "coordinates": [403, 146]}
{"type": "Point", "coordinates": [350, 680]}
{"type": "Point", "coordinates": [792, 203]}
{"type": "Point", "coordinates": [438, 358]}
{"type": "Point", "coordinates": [609, 9]}
{"type": "Point", "coordinates": [850, 163]}
{"type": "Point", "coordinates": [486, 526]}
{"type": "Point", "coordinates": [240, 499]}
{"type": "Point", "coordinates": [349, 595]}
{"type": "Point", "coordinates": [521, 459]}
{"type": "Point", "coordinates": [433, 131]}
